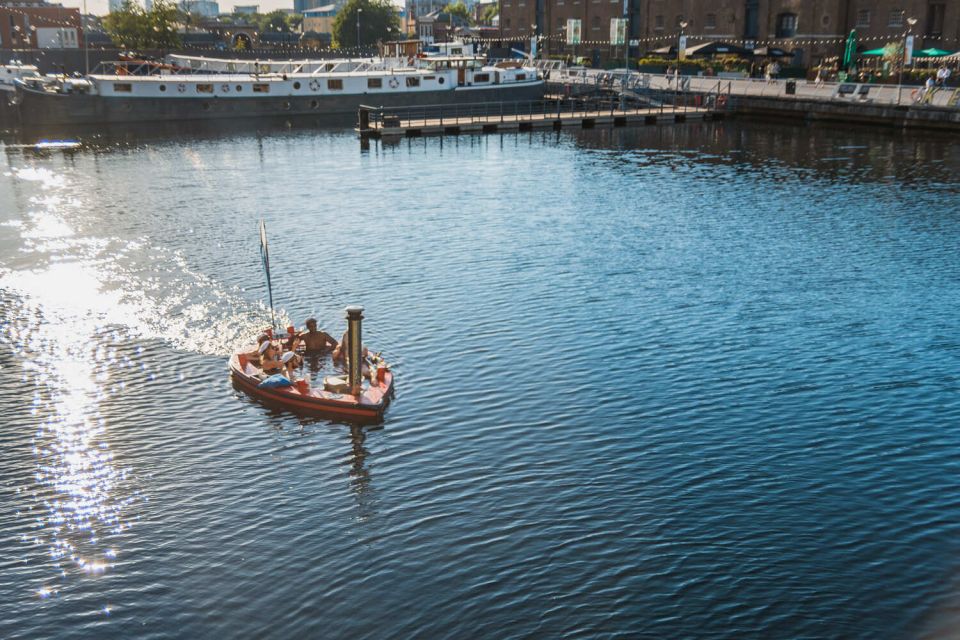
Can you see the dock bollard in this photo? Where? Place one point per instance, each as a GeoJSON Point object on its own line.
{"type": "Point", "coordinates": [355, 351]}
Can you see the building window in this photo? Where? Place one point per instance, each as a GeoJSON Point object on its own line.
{"type": "Point", "coordinates": [595, 23]}
{"type": "Point", "coordinates": [374, 83]}
{"type": "Point", "coordinates": [825, 20]}
{"type": "Point", "coordinates": [711, 22]}
{"type": "Point", "coordinates": [413, 81]}
{"type": "Point", "coordinates": [335, 84]}
{"type": "Point", "coordinates": [863, 18]}
{"type": "Point", "coordinates": [506, 22]}
{"type": "Point", "coordinates": [935, 19]}
{"type": "Point", "coordinates": [658, 23]}
{"type": "Point", "coordinates": [204, 88]}
{"type": "Point", "coordinates": [122, 87]}
{"type": "Point", "coordinates": [261, 88]}
{"type": "Point", "coordinates": [896, 18]}
{"type": "Point", "coordinates": [786, 25]}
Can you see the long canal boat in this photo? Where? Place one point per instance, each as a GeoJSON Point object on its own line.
{"type": "Point", "coordinates": [124, 93]}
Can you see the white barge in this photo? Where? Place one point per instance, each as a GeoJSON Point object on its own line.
{"type": "Point", "coordinates": [156, 93]}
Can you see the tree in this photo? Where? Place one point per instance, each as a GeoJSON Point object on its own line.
{"type": "Point", "coordinates": [133, 28]}
{"type": "Point", "coordinates": [378, 21]}
{"type": "Point", "coordinates": [460, 10]}
{"type": "Point", "coordinates": [489, 13]}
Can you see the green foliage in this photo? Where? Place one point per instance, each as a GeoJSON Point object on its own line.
{"type": "Point", "coordinates": [378, 21]}
{"type": "Point", "coordinates": [134, 28]}
{"type": "Point", "coordinates": [489, 14]}
{"type": "Point", "coordinates": [275, 21]}
{"type": "Point", "coordinates": [460, 10]}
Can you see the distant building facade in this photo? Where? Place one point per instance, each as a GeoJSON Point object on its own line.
{"type": "Point", "coordinates": [248, 9]}
{"type": "Point", "coordinates": [206, 8]}
{"type": "Point", "coordinates": [812, 30]}
{"type": "Point", "coordinates": [39, 25]}
{"type": "Point", "coordinates": [302, 6]}
{"type": "Point", "coordinates": [320, 20]}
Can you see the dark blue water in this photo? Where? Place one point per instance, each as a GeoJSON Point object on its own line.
{"type": "Point", "coordinates": [695, 381]}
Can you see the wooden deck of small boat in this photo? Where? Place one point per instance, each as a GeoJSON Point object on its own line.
{"type": "Point", "coordinates": [388, 125]}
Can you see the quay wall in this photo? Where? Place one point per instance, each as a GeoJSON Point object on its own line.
{"type": "Point", "coordinates": [845, 111]}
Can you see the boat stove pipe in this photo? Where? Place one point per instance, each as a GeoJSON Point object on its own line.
{"type": "Point", "coordinates": [354, 353]}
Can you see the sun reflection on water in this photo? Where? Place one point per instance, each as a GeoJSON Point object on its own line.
{"type": "Point", "coordinates": [77, 306]}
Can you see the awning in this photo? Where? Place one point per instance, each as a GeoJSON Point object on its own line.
{"type": "Point", "coordinates": [873, 52]}
{"type": "Point", "coordinates": [771, 52]}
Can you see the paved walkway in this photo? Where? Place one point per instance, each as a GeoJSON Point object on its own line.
{"type": "Point", "coordinates": [877, 93]}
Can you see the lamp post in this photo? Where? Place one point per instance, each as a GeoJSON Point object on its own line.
{"type": "Point", "coordinates": [903, 57]}
{"type": "Point", "coordinates": [683, 25]}
{"type": "Point", "coordinates": [359, 11]}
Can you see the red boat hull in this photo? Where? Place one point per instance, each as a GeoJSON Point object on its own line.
{"type": "Point", "coordinates": [368, 406]}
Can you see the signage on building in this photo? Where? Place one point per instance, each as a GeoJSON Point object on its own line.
{"type": "Point", "coordinates": [634, 43]}
{"type": "Point", "coordinates": [573, 31]}
{"type": "Point", "coordinates": [908, 50]}
{"type": "Point", "coordinates": [618, 31]}
{"type": "Point", "coordinates": [682, 48]}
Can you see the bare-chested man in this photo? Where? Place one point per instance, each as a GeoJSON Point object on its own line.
{"type": "Point", "coordinates": [314, 340]}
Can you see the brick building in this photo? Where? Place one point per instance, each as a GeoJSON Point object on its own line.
{"type": "Point", "coordinates": [39, 25]}
{"type": "Point", "coordinates": [812, 30]}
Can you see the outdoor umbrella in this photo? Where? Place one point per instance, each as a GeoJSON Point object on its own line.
{"type": "Point", "coordinates": [850, 52]}
{"type": "Point", "coordinates": [872, 52]}
{"type": "Point", "coordinates": [718, 48]}
{"type": "Point", "coordinates": [931, 53]}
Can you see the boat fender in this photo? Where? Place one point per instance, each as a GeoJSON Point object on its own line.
{"type": "Point", "coordinates": [181, 87]}
{"type": "Point", "coordinates": [394, 83]}
{"type": "Point", "coordinates": [314, 85]}
{"type": "Point", "coordinates": [225, 88]}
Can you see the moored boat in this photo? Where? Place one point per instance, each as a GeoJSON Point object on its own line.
{"type": "Point", "coordinates": [119, 93]}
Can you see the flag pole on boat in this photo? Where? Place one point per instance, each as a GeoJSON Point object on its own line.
{"type": "Point", "coordinates": [265, 258]}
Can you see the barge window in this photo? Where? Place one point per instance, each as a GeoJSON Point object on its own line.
{"type": "Point", "coordinates": [122, 87]}
{"type": "Point", "coordinates": [481, 77]}
{"type": "Point", "coordinates": [413, 82]}
{"type": "Point", "coordinates": [335, 84]}
{"type": "Point", "coordinates": [521, 76]}
{"type": "Point", "coordinates": [204, 88]}
{"type": "Point", "coordinates": [429, 77]}
{"type": "Point", "coordinates": [261, 87]}
{"type": "Point", "coordinates": [374, 83]}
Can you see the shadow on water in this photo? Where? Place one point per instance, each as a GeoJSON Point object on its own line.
{"type": "Point", "coordinates": [111, 135]}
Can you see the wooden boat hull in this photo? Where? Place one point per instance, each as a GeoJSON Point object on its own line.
{"type": "Point", "coordinates": [368, 406]}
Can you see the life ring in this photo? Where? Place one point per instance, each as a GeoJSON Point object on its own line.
{"type": "Point", "coordinates": [394, 83]}
{"type": "Point", "coordinates": [315, 85]}
{"type": "Point", "coordinates": [721, 101]}
{"type": "Point", "coordinates": [181, 87]}
{"type": "Point", "coordinates": [225, 88]}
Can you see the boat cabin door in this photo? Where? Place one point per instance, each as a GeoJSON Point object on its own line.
{"type": "Point", "coordinates": [461, 75]}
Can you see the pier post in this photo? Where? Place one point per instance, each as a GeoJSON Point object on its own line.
{"type": "Point", "coordinates": [364, 117]}
{"type": "Point", "coordinates": [355, 350]}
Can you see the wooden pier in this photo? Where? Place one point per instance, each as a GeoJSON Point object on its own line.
{"type": "Point", "coordinates": [494, 117]}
